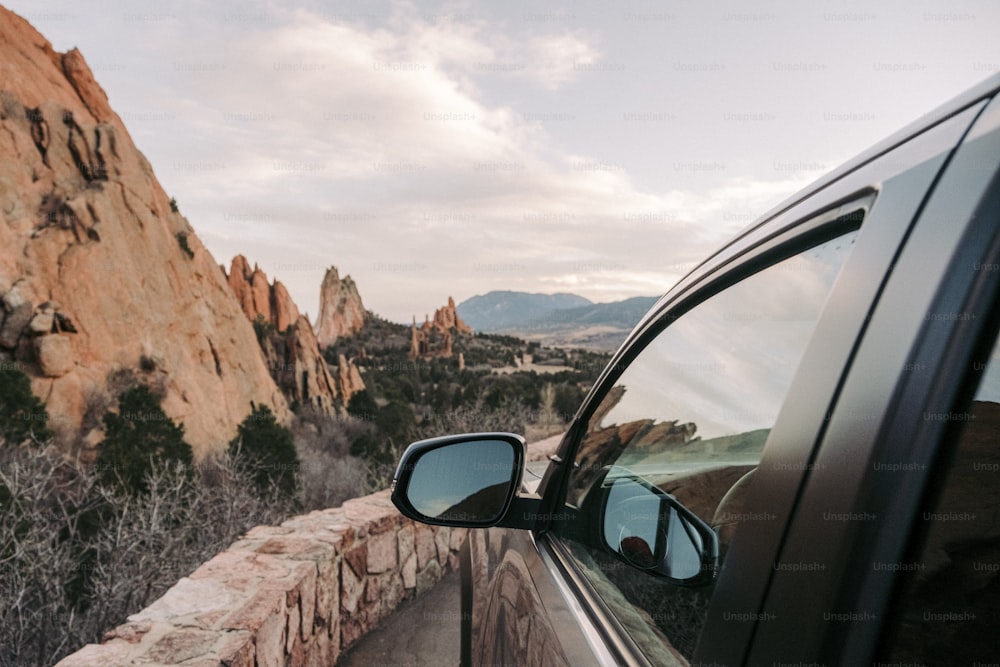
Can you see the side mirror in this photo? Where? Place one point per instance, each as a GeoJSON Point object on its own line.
{"type": "Point", "coordinates": [467, 480]}
{"type": "Point", "coordinates": [651, 530]}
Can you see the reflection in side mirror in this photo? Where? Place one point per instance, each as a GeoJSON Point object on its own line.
{"type": "Point", "coordinates": [466, 480]}
{"type": "Point", "coordinates": [652, 531]}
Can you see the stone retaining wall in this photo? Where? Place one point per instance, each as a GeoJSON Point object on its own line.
{"type": "Point", "coordinates": [295, 594]}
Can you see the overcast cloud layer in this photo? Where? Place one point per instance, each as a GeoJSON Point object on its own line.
{"type": "Point", "coordinates": [456, 148]}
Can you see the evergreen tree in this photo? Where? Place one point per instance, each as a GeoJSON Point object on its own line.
{"type": "Point", "coordinates": [137, 438]}
{"type": "Point", "coordinates": [22, 415]}
{"type": "Point", "coordinates": [362, 406]}
{"type": "Point", "coordinates": [268, 449]}
{"type": "Point", "coordinates": [396, 422]}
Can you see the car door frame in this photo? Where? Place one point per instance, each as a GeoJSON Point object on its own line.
{"type": "Point", "coordinates": [747, 574]}
{"type": "Point", "coordinates": [927, 330]}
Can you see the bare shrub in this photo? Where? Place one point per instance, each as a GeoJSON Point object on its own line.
{"type": "Point", "coordinates": [511, 417]}
{"type": "Point", "coordinates": [43, 507]}
{"type": "Point", "coordinates": [77, 558]}
{"type": "Point", "coordinates": [328, 473]}
{"type": "Point", "coordinates": [379, 474]}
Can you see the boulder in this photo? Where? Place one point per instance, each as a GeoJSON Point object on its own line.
{"type": "Point", "coordinates": [55, 354]}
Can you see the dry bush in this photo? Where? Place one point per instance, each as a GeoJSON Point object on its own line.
{"type": "Point", "coordinates": [42, 507]}
{"type": "Point", "coordinates": [77, 558]}
{"type": "Point", "coordinates": [328, 473]}
{"type": "Point", "coordinates": [511, 417]}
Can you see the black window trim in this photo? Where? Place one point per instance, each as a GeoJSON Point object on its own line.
{"type": "Point", "coordinates": [967, 341]}
{"type": "Point", "coordinates": [847, 644]}
{"type": "Point", "coordinates": [787, 240]}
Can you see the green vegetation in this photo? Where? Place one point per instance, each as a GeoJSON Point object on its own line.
{"type": "Point", "coordinates": [267, 449]}
{"type": "Point", "coordinates": [137, 438]}
{"type": "Point", "coordinates": [22, 415]}
{"type": "Point", "coordinates": [262, 328]}
{"type": "Point", "coordinates": [407, 399]}
{"type": "Point", "coordinates": [182, 241]}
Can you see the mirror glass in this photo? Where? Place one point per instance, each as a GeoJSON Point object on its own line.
{"type": "Point", "coordinates": [652, 531]}
{"type": "Point", "coordinates": [465, 481]}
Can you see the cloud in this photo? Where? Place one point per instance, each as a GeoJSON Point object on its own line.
{"type": "Point", "coordinates": [311, 140]}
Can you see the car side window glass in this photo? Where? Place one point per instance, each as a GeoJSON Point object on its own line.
{"type": "Point", "coordinates": [661, 472]}
{"type": "Point", "coordinates": [949, 605]}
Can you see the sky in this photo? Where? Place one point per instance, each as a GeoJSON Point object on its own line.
{"type": "Point", "coordinates": [440, 149]}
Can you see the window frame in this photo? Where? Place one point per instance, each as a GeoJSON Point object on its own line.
{"type": "Point", "coordinates": [775, 244]}
{"type": "Point", "coordinates": [900, 172]}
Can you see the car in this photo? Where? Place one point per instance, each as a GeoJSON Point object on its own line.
{"type": "Point", "coordinates": [794, 458]}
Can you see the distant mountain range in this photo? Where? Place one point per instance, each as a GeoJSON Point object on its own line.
{"type": "Point", "coordinates": [498, 311]}
{"type": "Point", "coordinates": [555, 319]}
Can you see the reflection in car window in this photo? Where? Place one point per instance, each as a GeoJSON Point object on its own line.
{"type": "Point", "coordinates": [686, 423]}
{"type": "Point", "coordinates": [949, 609]}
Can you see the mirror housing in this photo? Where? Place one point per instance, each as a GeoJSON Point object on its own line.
{"type": "Point", "coordinates": [465, 481]}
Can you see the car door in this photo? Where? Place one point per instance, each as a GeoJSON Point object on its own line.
{"type": "Point", "coordinates": [904, 503]}
{"type": "Point", "coordinates": [717, 401]}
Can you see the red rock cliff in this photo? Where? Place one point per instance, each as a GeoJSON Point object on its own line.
{"type": "Point", "coordinates": [291, 349]}
{"type": "Point", "coordinates": [97, 272]}
{"type": "Point", "coordinates": [258, 297]}
{"type": "Point", "coordinates": [341, 312]}
{"type": "Point", "coordinates": [447, 318]}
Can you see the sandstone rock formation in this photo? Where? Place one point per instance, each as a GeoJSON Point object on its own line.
{"type": "Point", "coordinates": [349, 380]}
{"type": "Point", "coordinates": [258, 297]}
{"type": "Point", "coordinates": [289, 344]}
{"type": "Point", "coordinates": [341, 312]}
{"type": "Point", "coordinates": [92, 256]}
{"type": "Point", "coordinates": [447, 318]}
{"type": "Point", "coordinates": [299, 369]}
{"type": "Point", "coordinates": [434, 338]}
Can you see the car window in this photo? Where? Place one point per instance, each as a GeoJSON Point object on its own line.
{"type": "Point", "coordinates": [949, 608]}
{"type": "Point", "coordinates": [661, 472]}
